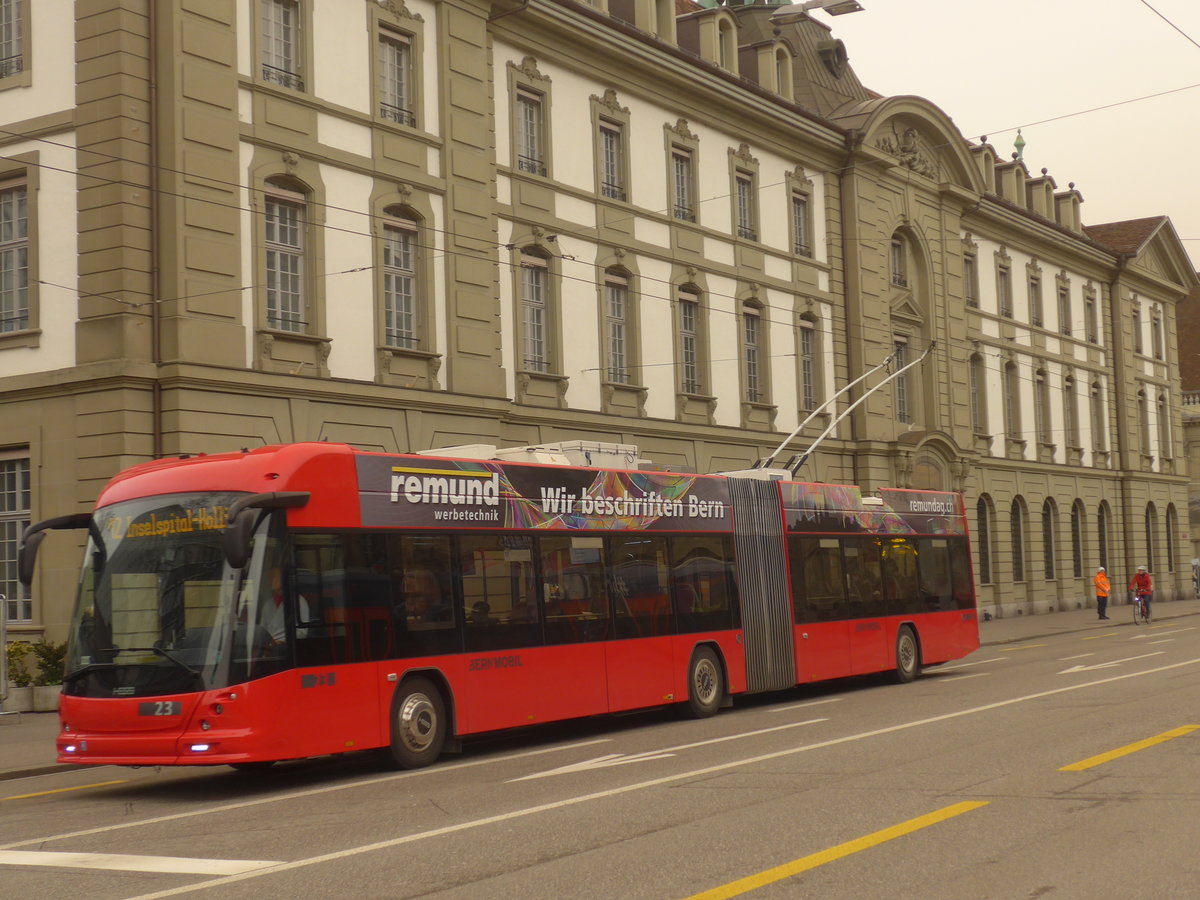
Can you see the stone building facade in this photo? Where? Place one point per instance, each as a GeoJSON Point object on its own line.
{"type": "Point", "coordinates": [419, 223]}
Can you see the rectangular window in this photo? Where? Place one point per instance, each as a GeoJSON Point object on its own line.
{"type": "Point", "coordinates": [1089, 305]}
{"type": "Point", "coordinates": [689, 344]}
{"type": "Point", "coordinates": [818, 581]}
{"type": "Point", "coordinates": [808, 392]}
{"type": "Point", "coordinates": [745, 206]}
{"type": "Point", "coordinates": [902, 410]}
{"type": "Point", "coordinates": [1035, 301]}
{"type": "Point", "coordinates": [1012, 423]}
{"type": "Point", "coordinates": [14, 519]}
{"type": "Point", "coordinates": [395, 78]}
{"type": "Point", "coordinates": [1136, 321]}
{"type": "Point", "coordinates": [800, 239]}
{"type": "Point", "coordinates": [750, 350]}
{"type": "Point", "coordinates": [612, 162]}
{"type": "Point", "coordinates": [533, 313]}
{"type": "Point", "coordinates": [970, 281]}
{"type": "Point", "coordinates": [530, 152]}
{"type": "Point", "coordinates": [1156, 339]}
{"type": "Point", "coordinates": [1099, 423]}
{"type": "Point", "coordinates": [285, 264]}
{"type": "Point", "coordinates": [281, 43]}
{"type": "Point", "coordinates": [399, 288]}
{"type": "Point", "coordinates": [975, 374]}
{"type": "Point", "coordinates": [1071, 418]}
{"type": "Point", "coordinates": [14, 259]}
{"type": "Point", "coordinates": [681, 176]}
{"type": "Point", "coordinates": [899, 265]}
{"type": "Point", "coordinates": [1064, 310]}
{"type": "Point", "coordinates": [616, 293]}
{"type": "Point", "coordinates": [1004, 288]}
{"type": "Point", "coordinates": [12, 61]}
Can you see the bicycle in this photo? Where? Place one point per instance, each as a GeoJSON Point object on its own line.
{"type": "Point", "coordinates": [1140, 612]}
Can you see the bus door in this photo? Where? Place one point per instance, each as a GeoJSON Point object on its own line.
{"type": "Point", "coordinates": [867, 602]}
{"type": "Point", "coordinates": [822, 637]}
{"type": "Point", "coordinates": [639, 661]}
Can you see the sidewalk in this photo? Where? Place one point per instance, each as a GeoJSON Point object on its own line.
{"type": "Point", "coordinates": [27, 742]}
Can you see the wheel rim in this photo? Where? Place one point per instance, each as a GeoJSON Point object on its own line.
{"type": "Point", "coordinates": [906, 652]}
{"type": "Point", "coordinates": [704, 680]}
{"type": "Point", "coordinates": [417, 722]}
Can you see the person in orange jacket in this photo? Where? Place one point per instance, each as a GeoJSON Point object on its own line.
{"type": "Point", "coordinates": [1102, 589]}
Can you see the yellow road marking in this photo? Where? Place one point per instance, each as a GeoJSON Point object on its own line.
{"type": "Point", "coordinates": [82, 787]}
{"type": "Point", "coordinates": [795, 867]}
{"type": "Point", "coordinates": [1022, 647]}
{"type": "Point", "coordinates": [1092, 637]}
{"type": "Point", "coordinates": [1129, 748]}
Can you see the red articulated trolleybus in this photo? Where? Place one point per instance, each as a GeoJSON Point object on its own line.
{"type": "Point", "coordinates": [309, 599]}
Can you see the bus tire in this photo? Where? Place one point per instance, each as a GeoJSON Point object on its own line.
{"type": "Point", "coordinates": [908, 656]}
{"type": "Point", "coordinates": [418, 723]}
{"type": "Point", "coordinates": [706, 684]}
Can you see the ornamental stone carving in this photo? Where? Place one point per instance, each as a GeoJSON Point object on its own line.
{"type": "Point", "coordinates": [909, 149]}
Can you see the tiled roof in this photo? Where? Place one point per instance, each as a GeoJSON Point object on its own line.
{"type": "Point", "coordinates": [1125, 237]}
{"type": "Point", "coordinates": [683, 7]}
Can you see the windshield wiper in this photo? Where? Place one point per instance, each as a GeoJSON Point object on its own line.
{"type": "Point", "coordinates": [165, 654]}
{"type": "Point", "coordinates": [72, 677]}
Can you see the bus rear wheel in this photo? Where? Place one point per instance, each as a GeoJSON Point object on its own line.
{"type": "Point", "coordinates": [418, 724]}
{"type": "Point", "coordinates": [706, 684]}
{"type": "Point", "coordinates": [908, 656]}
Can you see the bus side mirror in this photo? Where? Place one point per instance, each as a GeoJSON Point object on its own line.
{"type": "Point", "coordinates": [243, 516]}
{"type": "Point", "coordinates": [28, 556]}
{"type": "Point", "coordinates": [33, 536]}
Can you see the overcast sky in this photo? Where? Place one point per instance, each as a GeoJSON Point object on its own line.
{"type": "Point", "coordinates": [996, 66]}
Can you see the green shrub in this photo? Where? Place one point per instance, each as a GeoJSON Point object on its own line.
{"type": "Point", "coordinates": [18, 675]}
{"type": "Point", "coordinates": [51, 658]}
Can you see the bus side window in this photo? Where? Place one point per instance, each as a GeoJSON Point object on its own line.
{"type": "Point", "coordinates": [933, 562]}
{"type": "Point", "coordinates": [574, 588]}
{"type": "Point", "coordinates": [640, 586]}
{"type": "Point", "coordinates": [702, 583]}
{"type": "Point", "coordinates": [864, 577]}
{"type": "Point", "coordinates": [499, 570]}
{"type": "Point", "coordinates": [421, 581]}
{"type": "Point", "coordinates": [818, 583]}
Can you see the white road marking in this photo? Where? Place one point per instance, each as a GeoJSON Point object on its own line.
{"type": "Point", "coordinates": [642, 785]}
{"type": "Point", "coordinates": [978, 662]}
{"type": "Point", "coordinates": [176, 865]}
{"type": "Point", "coordinates": [963, 677]}
{"type": "Point", "coordinates": [1107, 665]}
{"type": "Point", "coordinates": [1080, 656]}
{"type": "Point", "coordinates": [311, 792]}
{"type": "Point", "coordinates": [620, 759]}
{"type": "Point", "coordinates": [1167, 641]}
{"type": "Point", "coordinates": [1156, 634]}
{"type": "Point", "coordinates": [775, 709]}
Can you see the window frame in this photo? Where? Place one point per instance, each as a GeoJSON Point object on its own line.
{"type": "Point", "coordinates": [808, 362]}
{"type": "Point", "coordinates": [24, 169]}
{"type": "Point", "coordinates": [625, 324]}
{"type": "Point", "coordinates": [281, 198]}
{"type": "Point", "coordinates": [19, 69]}
{"type": "Point", "coordinates": [528, 89]}
{"type": "Point", "coordinates": [298, 77]}
{"type": "Point", "coordinates": [17, 596]}
{"type": "Point", "coordinates": [691, 339]}
{"type": "Point", "coordinates": [754, 357]}
{"type": "Point", "coordinates": [392, 28]}
{"type": "Point", "coordinates": [536, 346]}
{"type": "Point", "coordinates": [394, 224]}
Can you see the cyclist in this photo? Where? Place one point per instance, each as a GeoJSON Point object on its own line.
{"type": "Point", "coordinates": [1142, 586]}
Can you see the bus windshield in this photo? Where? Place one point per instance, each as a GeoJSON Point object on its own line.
{"type": "Point", "coordinates": [158, 611]}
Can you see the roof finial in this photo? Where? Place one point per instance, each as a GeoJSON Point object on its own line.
{"type": "Point", "coordinates": [1019, 144]}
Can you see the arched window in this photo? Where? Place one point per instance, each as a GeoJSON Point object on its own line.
{"type": "Point", "coordinates": [1017, 539]}
{"type": "Point", "coordinates": [983, 538]}
{"type": "Point", "coordinates": [286, 226]}
{"type": "Point", "coordinates": [808, 336]}
{"type": "Point", "coordinates": [783, 72]}
{"type": "Point", "coordinates": [1103, 517]}
{"type": "Point", "coordinates": [1143, 415]}
{"type": "Point", "coordinates": [1041, 406]}
{"type": "Point", "coordinates": [1048, 540]}
{"type": "Point", "coordinates": [1012, 402]}
{"type": "Point", "coordinates": [1077, 538]}
{"type": "Point", "coordinates": [401, 294]}
{"type": "Point", "coordinates": [1165, 450]}
{"type": "Point", "coordinates": [1070, 413]}
{"type": "Point", "coordinates": [1151, 535]}
{"type": "Point", "coordinates": [1172, 531]}
{"type": "Point", "coordinates": [977, 374]}
{"type": "Point", "coordinates": [536, 311]}
{"type": "Point", "coordinates": [726, 46]}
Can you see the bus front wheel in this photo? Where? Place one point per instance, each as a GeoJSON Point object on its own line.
{"type": "Point", "coordinates": [418, 724]}
{"type": "Point", "coordinates": [705, 683]}
{"type": "Point", "coordinates": [908, 656]}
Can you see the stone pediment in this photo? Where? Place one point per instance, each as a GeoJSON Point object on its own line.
{"type": "Point", "coordinates": [904, 308]}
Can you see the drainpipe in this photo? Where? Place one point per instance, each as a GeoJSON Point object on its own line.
{"type": "Point", "coordinates": [851, 283]}
{"type": "Point", "coordinates": [156, 412]}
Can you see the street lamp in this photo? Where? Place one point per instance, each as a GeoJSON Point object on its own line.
{"type": "Point", "coordinates": [797, 11]}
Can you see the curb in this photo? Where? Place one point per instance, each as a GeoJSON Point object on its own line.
{"type": "Point", "coordinates": [11, 774]}
{"type": "Point", "coordinates": [1074, 630]}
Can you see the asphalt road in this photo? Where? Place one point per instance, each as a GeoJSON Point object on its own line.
{"type": "Point", "coordinates": [1062, 767]}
